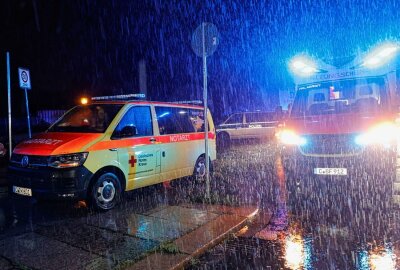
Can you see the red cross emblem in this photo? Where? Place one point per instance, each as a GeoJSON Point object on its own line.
{"type": "Point", "coordinates": [132, 161]}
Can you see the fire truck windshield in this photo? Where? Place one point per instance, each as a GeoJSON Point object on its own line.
{"type": "Point", "coordinates": [364, 96]}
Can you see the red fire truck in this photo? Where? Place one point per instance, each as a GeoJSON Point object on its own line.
{"type": "Point", "coordinates": [342, 125]}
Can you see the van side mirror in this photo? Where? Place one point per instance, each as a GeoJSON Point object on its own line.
{"type": "Point", "coordinates": [125, 132]}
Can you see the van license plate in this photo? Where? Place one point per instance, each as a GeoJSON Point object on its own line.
{"type": "Point", "coordinates": [330, 171]}
{"type": "Point", "coordinates": [22, 191]}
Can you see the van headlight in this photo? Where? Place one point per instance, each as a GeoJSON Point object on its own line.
{"type": "Point", "coordinates": [384, 134]}
{"type": "Point", "coordinates": [67, 161]}
{"type": "Point", "coordinates": [289, 137]}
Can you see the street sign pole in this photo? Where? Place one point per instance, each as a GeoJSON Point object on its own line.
{"type": "Point", "coordinates": [9, 105]}
{"type": "Point", "coordinates": [25, 83]}
{"type": "Point", "coordinates": [205, 97]}
{"type": "Point", "coordinates": [27, 111]}
{"type": "Point", "coordinates": [204, 43]}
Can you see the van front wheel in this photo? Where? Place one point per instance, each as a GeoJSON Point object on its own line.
{"type": "Point", "coordinates": [105, 192]}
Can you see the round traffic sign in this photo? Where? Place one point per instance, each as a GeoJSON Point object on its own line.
{"type": "Point", "coordinates": [211, 39]}
{"type": "Point", "coordinates": [24, 76]}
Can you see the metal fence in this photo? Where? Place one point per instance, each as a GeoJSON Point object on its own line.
{"type": "Point", "coordinates": [48, 116]}
{"type": "Point", "coordinates": [39, 122]}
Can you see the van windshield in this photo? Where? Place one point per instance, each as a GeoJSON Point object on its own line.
{"type": "Point", "coordinates": [366, 96]}
{"type": "Point", "coordinates": [94, 118]}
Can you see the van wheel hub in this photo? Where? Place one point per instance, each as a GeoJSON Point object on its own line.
{"type": "Point", "coordinates": [106, 192]}
{"type": "Point", "coordinates": [201, 169]}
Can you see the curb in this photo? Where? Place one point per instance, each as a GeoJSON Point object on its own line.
{"type": "Point", "coordinates": [210, 245]}
{"type": "Point", "coordinates": [189, 249]}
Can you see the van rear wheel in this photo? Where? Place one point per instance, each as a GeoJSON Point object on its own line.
{"type": "Point", "coordinates": [105, 192]}
{"type": "Point", "coordinates": [200, 168]}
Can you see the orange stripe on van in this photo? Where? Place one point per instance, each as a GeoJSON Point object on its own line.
{"type": "Point", "coordinates": [130, 142]}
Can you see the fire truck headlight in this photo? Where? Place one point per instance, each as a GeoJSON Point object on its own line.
{"type": "Point", "coordinates": [384, 134]}
{"type": "Point", "coordinates": [67, 161]}
{"type": "Point", "coordinates": [289, 137]}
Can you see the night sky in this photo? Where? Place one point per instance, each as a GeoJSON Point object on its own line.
{"type": "Point", "coordinates": [94, 47]}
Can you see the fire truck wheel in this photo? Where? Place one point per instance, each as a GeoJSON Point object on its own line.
{"type": "Point", "coordinates": [105, 192]}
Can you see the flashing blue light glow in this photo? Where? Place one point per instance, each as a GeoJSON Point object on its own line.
{"type": "Point", "coordinates": [381, 55]}
{"type": "Point", "coordinates": [302, 141]}
{"type": "Point", "coordinates": [361, 140]}
{"type": "Point", "coordinates": [309, 70]}
{"type": "Point", "coordinates": [303, 66]}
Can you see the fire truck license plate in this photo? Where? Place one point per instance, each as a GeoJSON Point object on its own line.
{"type": "Point", "coordinates": [330, 171]}
{"type": "Point", "coordinates": [22, 191]}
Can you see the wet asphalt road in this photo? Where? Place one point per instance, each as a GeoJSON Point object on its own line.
{"type": "Point", "coordinates": [337, 228]}
{"type": "Point", "coordinates": [238, 180]}
{"type": "Point", "coordinates": [243, 175]}
{"type": "Point", "coordinates": [338, 231]}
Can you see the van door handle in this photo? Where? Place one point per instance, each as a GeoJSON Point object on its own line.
{"type": "Point", "coordinates": [113, 149]}
{"type": "Point", "coordinates": [152, 140]}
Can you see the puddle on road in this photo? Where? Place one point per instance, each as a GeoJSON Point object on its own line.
{"type": "Point", "coordinates": [21, 211]}
{"type": "Point", "coordinates": [335, 228]}
{"type": "Point", "coordinates": [305, 246]}
{"type": "Point", "coordinates": [61, 231]}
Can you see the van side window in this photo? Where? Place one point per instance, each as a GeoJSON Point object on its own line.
{"type": "Point", "coordinates": [174, 120]}
{"type": "Point", "coordinates": [135, 123]}
{"type": "Point", "coordinates": [197, 119]}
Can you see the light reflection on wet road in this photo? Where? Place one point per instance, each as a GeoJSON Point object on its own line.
{"type": "Point", "coordinates": [20, 213]}
{"type": "Point", "coordinates": [61, 235]}
{"type": "Point", "coordinates": [325, 231]}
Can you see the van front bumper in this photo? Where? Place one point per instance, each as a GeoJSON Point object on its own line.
{"type": "Point", "coordinates": [51, 183]}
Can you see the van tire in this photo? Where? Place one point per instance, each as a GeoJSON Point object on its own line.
{"type": "Point", "coordinates": [105, 192]}
{"type": "Point", "coordinates": [199, 172]}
